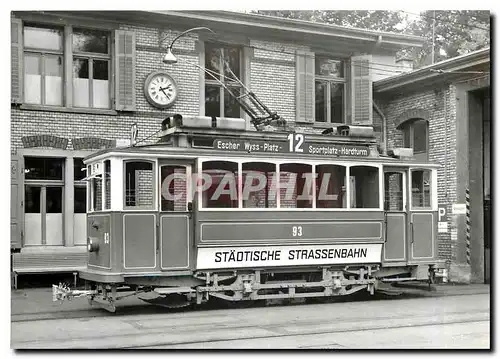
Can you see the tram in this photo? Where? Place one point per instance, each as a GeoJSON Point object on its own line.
{"type": "Point", "coordinates": [215, 210]}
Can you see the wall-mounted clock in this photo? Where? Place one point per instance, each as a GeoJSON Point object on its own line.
{"type": "Point", "coordinates": [160, 89]}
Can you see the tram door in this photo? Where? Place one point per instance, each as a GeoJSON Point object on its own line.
{"type": "Point", "coordinates": [396, 217]}
{"type": "Point", "coordinates": [175, 234]}
{"type": "Point", "coordinates": [422, 219]}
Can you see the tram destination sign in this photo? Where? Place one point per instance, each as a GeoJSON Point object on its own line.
{"type": "Point", "coordinates": [295, 144]}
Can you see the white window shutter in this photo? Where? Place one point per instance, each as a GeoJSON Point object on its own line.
{"type": "Point", "coordinates": [125, 70]}
{"type": "Point", "coordinates": [361, 91]}
{"type": "Point", "coordinates": [304, 103]}
{"type": "Point", "coordinates": [16, 58]}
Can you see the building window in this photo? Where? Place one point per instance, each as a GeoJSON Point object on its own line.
{"type": "Point", "coordinates": [43, 168]}
{"type": "Point", "coordinates": [44, 59]}
{"type": "Point", "coordinates": [329, 90]}
{"type": "Point", "coordinates": [43, 65]}
{"type": "Point", "coordinates": [91, 64]}
{"type": "Point", "coordinates": [79, 170]}
{"type": "Point", "coordinates": [223, 63]}
{"type": "Point", "coordinates": [416, 136]}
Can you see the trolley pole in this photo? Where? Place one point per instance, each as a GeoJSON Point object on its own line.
{"type": "Point", "coordinates": [467, 224]}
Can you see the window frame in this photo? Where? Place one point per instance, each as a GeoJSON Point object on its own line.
{"type": "Point", "coordinates": [211, 82]}
{"type": "Point", "coordinates": [91, 57]}
{"type": "Point", "coordinates": [154, 185]}
{"type": "Point", "coordinates": [188, 179]}
{"type": "Point", "coordinates": [408, 128]}
{"type": "Point", "coordinates": [277, 162]}
{"type": "Point", "coordinates": [325, 79]}
{"type": "Point", "coordinates": [68, 55]}
{"type": "Point", "coordinates": [432, 190]}
{"type": "Point", "coordinates": [42, 55]}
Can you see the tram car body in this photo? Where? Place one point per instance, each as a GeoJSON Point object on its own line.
{"type": "Point", "coordinates": [184, 219]}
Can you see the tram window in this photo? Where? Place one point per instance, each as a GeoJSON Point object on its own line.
{"type": "Point", "coordinates": [96, 188]}
{"type": "Point", "coordinates": [330, 186]}
{"type": "Point", "coordinates": [364, 187]}
{"type": "Point", "coordinates": [421, 189]}
{"type": "Point", "coordinates": [295, 186]}
{"type": "Point", "coordinates": [259, 190]}
{"type": "Point", "coordinates": [107, 184]}
{"type": "Point", "coordinates": [393, 199]}
{"type": "Point", "coordinates": [219, 188]}
{"type": "Point", "coordinates": [173, 188]}
{"type": "Point", "coordinates": [139, 184]}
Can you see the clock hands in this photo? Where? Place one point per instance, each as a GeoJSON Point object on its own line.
{"type": "Point", "coordinates": [162, 89]}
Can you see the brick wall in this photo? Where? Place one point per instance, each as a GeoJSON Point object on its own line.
{"type": "Point", "coordinates": [271, 77]}
{"type": "Point", "coordinates": [144, 188]}
{"type": "Point", "coordinates": [442, 144]}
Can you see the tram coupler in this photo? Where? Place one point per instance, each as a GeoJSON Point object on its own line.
{"type": "Point", "coordinates": [62, 291]}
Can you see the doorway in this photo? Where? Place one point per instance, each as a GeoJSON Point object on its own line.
{"type": "Point", "coordinates": [43, 201]}
{"type": "Point", "coordinates": [395, 216]}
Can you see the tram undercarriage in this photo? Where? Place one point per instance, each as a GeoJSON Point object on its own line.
{"type": "Point", "coordinates": [250, 285]}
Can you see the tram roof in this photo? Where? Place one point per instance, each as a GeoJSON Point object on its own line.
{"type": "Point", "coordinates": [165, 151]}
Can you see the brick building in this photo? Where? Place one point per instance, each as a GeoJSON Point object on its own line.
{"type": "Point", "coordinates": [442, 111]}
{"type": "Point", "coordinates": [79, 84]}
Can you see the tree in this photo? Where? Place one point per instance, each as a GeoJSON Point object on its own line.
{"type": "Point", "coordinates": [456, 32]}
{"type": "Point", "coordinates": [380, 20]}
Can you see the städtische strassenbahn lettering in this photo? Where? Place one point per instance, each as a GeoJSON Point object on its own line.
{"type": "Point", "coordinates": [287, 255]}
{"type": "Point", "coordinates": [263, 255]}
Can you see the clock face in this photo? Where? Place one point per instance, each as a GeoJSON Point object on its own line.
{"type": "Point", "coordinates": [160, 89]}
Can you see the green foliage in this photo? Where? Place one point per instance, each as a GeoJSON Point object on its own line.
{"type": "Point", "coordinates": [456, 32]}
{"type": "Point", "coordinates": [380, 20]}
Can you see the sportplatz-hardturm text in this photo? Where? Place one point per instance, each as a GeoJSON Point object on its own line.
{"type": "Point", "coordinates": [291, 186]}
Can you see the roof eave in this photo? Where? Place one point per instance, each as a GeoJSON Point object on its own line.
{"type": "Point", "coordinates": [425, 74]}
{"type": "Point", "coordinates": [297, 26]}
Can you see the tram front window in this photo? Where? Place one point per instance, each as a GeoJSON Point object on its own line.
{"type": "Point", "coordinates": [139, 184]}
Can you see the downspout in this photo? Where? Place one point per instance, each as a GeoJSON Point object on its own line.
{"type": "Point", "coordinates": [384, 128]}
{"type": "Point", "coordinates": [445, 144]}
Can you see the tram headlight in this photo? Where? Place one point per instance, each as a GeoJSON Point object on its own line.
{"type": "Point", "coordinates": [92, 246]}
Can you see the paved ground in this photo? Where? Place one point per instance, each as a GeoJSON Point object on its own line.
{"type": "Point", "coordinates": [449, 321]}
